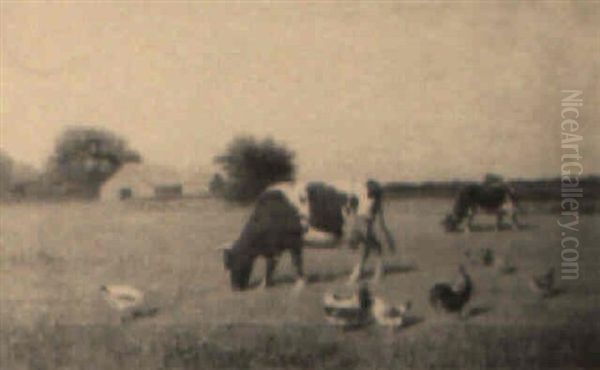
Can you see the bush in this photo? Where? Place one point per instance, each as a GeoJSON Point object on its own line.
{"type": "Point", "coordinates": [85, 157]}
{"type": "Point", "coordinates": [251, 166]}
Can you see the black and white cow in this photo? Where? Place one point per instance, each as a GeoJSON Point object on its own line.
{"type": "Point", "coordinates": [498, 199]}
{"type": "Point", "coordinates": [284, 214]}
{"type": "Point", "coordinates": [274, 226]}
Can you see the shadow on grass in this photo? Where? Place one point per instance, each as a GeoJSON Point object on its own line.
{"type": "Point", "coordinates": [410, 321]}
{"type": "Point", "coordinates": [478, 311]}
{"type": "Point", "coordinates": [555, 292]}
{"type": "Point", "coordinates": [539, 297]}
{"type": "Point", "coordinates": [400, 269]}
{"type": "Point", "coordinates": [323, 244]}
{"type": "Point", "coordinates": [526, 227]}
{"type": "Point", "coordinates": [327, 277]}
{"type": "Point", "coordinates": [486, 228]}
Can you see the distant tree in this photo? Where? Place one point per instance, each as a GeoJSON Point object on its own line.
{"type": "Point", "coordinates": [6, 171]}
{"type": "Point", "coordinates": [24, 172]}
{"type": "Point", "coordinates": [217, 185]}
{"type": "Point", "coordinates": [85, 157]}
{"type": "Point", "coordinates": [252, 165]}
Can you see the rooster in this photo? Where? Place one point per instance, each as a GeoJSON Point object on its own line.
{"type": "Point", "coordinates": [452, 297]}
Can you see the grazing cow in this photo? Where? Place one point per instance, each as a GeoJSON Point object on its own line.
{"type": "Point", "coordinates": [285, 212]}
{"type": "Point", "coordinates": [273, 227]}
{"type": "Point", "coordinates": [327, 207]}
{"type": "Point", "coordinates": [353, 213]}
{"type": "Point", "coordinates": [492, 198]}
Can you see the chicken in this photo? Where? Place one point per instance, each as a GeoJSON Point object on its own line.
{"type": "Point", "coordinates": [387, 315]}
{"type": "Point", "coordinates": [128, 300]}
{"type": "Point", "coordinates": [505, 265]}
{"type": "Point", "coordinates": [543, 284]}
{"type": "Point", "coordinates": [452, 297]}
{"type": "Point", "coordinates": [363, 308]}
{"type": "Point", "coordinates": [484, 256]}
{"type": "Point", "coordinates": [487, 257]}
{"type": "Point", "coordinates": [349, 311]}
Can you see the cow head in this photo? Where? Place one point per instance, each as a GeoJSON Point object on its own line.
{"type": "Point", "coordinates": [374, 189]}
{"type": "Point", "coordinates": [239, 266]}
{"type": "Point", "coordinates": [450, 222]}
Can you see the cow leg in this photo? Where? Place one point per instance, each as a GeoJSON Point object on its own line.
{"type": "Point", "coordinates": [515, 220]}
{"type": "Point", "coordinates": [371, 243]}
{"type": "Point", "coordinates": [297, 261]}
{"type": "Point", "coordinates": [357, 272]}
{"type": "Point", "coordinates": [374, 244]}
{"type": "Point", "coordinates": [379, 268]}
{"type": "Point", "coordinates": [470, 219]}
{"type": "Point", "coordinates": [269, 271]}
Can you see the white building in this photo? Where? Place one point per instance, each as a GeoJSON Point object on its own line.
{"type": "Point", "coordinates": [139, 180]}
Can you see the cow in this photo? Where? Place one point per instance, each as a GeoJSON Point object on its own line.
{"type": "Point", "coordinates": [352, 213]}
{"type": "Point", "coordinates": [274, 226]}
{"type": "Point", "coordinates": [285, 212]}
{"type": "Point", "coordinates": [491, 197]}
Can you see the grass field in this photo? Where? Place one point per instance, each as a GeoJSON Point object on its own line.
{"type": "Point", "coordinates": [54, 258]}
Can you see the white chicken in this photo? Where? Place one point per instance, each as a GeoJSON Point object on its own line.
{"type": "Point", "coordinates": [128, 300]}
{"type": "Point", "coordinates": [362, 308]}
{"type": "Point", "coordinates": [387, 315]}
{"type": "Point", "coordinates": [348, 310]}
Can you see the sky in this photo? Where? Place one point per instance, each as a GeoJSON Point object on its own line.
{"type": "Point", "coordinates": [404, 91]}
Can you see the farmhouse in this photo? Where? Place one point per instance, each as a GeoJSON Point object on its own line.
{"type": "Point", "coordinates": [142, 181]}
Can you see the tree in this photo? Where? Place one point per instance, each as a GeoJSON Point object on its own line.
{"type": "Point", "coordinates": [85, 157]}
{"type": "Point", "coordinates": [217, 185]}
{"type": "Point", "coordinates": [6, 172]}
{"type": "Point", "coordinates": [252, 165]}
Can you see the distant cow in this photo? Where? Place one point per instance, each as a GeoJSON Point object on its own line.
{"type": "Point", "coordinates": [285, 212]}
{"type": "Point", "coordinates": [498, 199]}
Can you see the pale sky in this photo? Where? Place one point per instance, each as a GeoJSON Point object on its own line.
{"type": "Point", "coordinates": [403, 91]}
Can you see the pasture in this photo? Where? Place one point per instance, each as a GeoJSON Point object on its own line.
{"type": "Point", "coordinates": [55, 257]}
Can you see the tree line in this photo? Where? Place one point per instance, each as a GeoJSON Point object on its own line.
{"type": "Point", "coordinates": [84, 158]}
